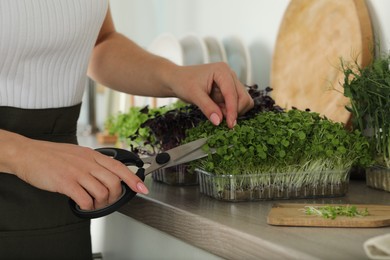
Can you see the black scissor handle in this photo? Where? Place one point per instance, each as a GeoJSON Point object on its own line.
{"type": "Point", "coordinates": [126, 157]}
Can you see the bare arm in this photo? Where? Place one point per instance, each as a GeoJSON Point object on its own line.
{"type": "Point", "coordinates": [119, 63]}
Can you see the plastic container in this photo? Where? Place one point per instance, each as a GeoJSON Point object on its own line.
{"type": "Point", "coordinates": [176, 175]}
{"type": "Point", "coordinates": [273, 186]}
{"type": "Point", "coordinates": [378, 177]}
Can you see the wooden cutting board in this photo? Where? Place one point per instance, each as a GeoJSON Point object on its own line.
{"type": "Point", "coordinates": [312, 38]}
{"type": "Point", "coordinates": [291, 214]}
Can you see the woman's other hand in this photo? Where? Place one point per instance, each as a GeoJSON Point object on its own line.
{"type": "Point", "coordinates": [215, 89]}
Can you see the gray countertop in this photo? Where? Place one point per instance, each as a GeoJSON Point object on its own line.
{"type": "Point", "coordinates": [240, 230]}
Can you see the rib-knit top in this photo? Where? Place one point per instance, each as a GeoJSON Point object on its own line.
{"type": "Point", "coordinates": [45, 46]}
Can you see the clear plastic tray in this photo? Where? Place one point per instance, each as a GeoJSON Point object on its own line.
{"type": "Point", "coordinates": [273, 186]}
{"type": "Point", "coordinates": [176, 175]}
{"type": "Point", "coordinates": [378, 177]}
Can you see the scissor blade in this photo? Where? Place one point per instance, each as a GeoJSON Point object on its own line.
{"type": "Point", "coordinates": [195, 155]}
{"type": "Point", "coordinates": [175, 154]}
{"type": "Point", "coordinates": [186, 149]}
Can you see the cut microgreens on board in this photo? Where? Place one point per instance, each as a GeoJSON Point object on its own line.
{"type": "Point", "coordinates": [331, 212]}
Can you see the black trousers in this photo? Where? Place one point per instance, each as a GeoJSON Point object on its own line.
{"type": "Point", "coordinates": [37, 224]}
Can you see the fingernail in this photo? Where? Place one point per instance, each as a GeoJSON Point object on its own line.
{"type": "Point", "coordinates": [234, 123]}
{"type": "Point", "coordinates": [142, 188]}
{"type": "Point", "coordinates": [214, 118]}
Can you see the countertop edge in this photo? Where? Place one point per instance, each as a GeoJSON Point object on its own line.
{"type": "Point", "coordinates": [201, 232]}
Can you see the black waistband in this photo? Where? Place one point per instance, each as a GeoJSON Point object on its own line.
{"type": "Point", "coordinates": [52, 124]}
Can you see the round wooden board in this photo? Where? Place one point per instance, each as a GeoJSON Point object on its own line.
{"type": "Point", "coordinates": [313, 38]}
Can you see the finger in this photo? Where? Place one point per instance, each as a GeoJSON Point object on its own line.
{"type": "Point", "coordinates": [217, 96]}
{"type": "Point", "coordinates": [97, 190]}
{"type": "Point", "coordinates": [121, 170]}
{"type": "Point", "coordinates": [228, 88]}
{"type": "Point", "coordinates": [209, 108]}
{"type": "Point", "coordinates": [245, 101]}
{"type": "Point", "coordinates": [79, 195]}
{"type": "Point", "coordinates": [110, 181]}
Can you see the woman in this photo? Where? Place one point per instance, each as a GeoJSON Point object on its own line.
{"type": "Point", "coordinates": [47, 49]}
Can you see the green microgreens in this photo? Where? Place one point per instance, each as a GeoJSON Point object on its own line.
{"type": "Point", "coordinates": [331, 212]}
{"type": "Point", "coordinates": [368, 89]}
{"type": "Point", "coordinates": [150, 130]}
{"type": "Point", "coordinates": [295, 142]}
{"type": "Point", "coordinates": [128, 126]}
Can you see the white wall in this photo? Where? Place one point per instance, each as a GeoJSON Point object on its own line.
{"type": "Point", "coordinates": [381, 22]}
{"type": "Point", "coordinates": [255, 21]}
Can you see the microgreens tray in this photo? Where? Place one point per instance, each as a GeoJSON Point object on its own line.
{"type": "Point", "coordinates": [378, 177]}
{"type": "Point", "coordinates": [176, 175]}
{"type": "Point", "coordinates": [268, 186]}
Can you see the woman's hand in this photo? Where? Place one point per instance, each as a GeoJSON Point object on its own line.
{"type": "Point", "coordinates": [88, 177]}
{"type": "Point", "coordinates": [215, 89]}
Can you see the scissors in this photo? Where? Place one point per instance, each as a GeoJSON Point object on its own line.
{"type": "Point", "coordinates": [178, 155]}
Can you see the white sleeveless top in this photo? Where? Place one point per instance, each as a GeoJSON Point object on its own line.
{"type": "Point", "coordinates": [45, 46]}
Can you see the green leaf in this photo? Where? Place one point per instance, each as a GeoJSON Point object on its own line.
{"type": "Point", "coordinates": [301, 135]}
{"type": "Point", "coordinates": [285, 143]}
{"type": "Point", "coordinates": [282, 153]}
